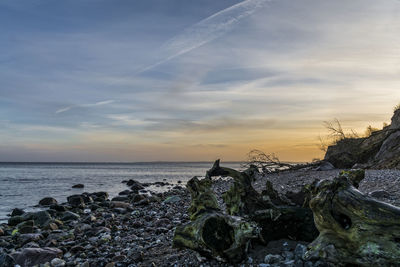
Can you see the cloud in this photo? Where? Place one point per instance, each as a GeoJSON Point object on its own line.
{"type": "Point", "coordinates": [127, 120]}
{"type": "Point", "coordinates": [207, 30]}
{"type": "Point", "coordinates": [101, 103]}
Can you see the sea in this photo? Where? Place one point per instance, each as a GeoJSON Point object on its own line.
{"type": "Point", "coordinates": [23, 185]}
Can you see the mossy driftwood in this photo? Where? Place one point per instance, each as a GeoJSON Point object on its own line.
{"type": "Point", "coordinates": [249, 215]}
{"type": "Point", "coordinates": [211, 232]}
{"type": "Point", "coordinates": [353, 229]}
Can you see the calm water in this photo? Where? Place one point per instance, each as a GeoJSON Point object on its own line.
{"type": "Point", "coordinates": [22, 185]}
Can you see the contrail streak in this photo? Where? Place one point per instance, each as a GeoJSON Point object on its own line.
{"type": "Point", "coordinates": [101, 103]}
{"type": "Point", "coordinates": [207, 30]}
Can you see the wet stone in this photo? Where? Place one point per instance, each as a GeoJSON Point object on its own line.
{"type": "Point", "coordinates": [47, 201]}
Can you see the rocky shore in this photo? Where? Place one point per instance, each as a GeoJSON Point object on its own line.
{"type": "Point", "coordinates": [136, 228]}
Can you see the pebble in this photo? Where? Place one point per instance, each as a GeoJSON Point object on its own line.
{"type": "Point", "coordinates": [299, 251]}
{"type": "Point", "coordinates": [271, 259]}
{"type": "Point", "coordinates": [56, 262]}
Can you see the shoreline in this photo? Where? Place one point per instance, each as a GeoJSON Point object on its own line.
{"type": "Point", "coordinates": [136, 229]}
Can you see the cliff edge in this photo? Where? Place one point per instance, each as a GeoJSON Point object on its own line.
{"type": "Point", "coordinates": [381, 150]}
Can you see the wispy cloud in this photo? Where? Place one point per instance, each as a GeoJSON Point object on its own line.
{"type": "Point", "coordinates": [207, 30]}
{"type": "Point", "coordinates": [101, 103]}
{"type": "Point", "coordinates": [127, 120]}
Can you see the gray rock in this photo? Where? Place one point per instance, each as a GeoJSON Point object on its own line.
{"type": "Point", "coordinates": [325, 166]}
{"type": "Point", "coordinates": [56, 262]}
{"type": "Point", "coordinates": [57, 207]}
{"type": "Point", "coordinates": [125, 192]}
{"type": "Point", "coordinates": [76, 201]}
{"type": "Point", "coordinates": [13, 221]}
{"type": "Point", "coordinates": [288, 255]}
{"type": "Point", "coordinates": [6, 260]}
{"type": "Point", "coordinates": [25, 238]}
{"type": "Point", "coordinates": [69, 216]}
{"type": "Point", "coordinates": [41, 218]}
{"type": "Point", "coordinates": [47, 201]}
{"type": "Point", "coordinates": [299, 251]}
{"type": "Point", "coordinates": [272, 259]}
{"type": "Point", "coordinates": [99, 196]}
{"type": "Point", "coordinates": [33, 256]}
{"type": "Point", "coordinates": [120, 198]}
{"type": "Point", "coordinates": [172, 199]}
{"type": "Point", "coordinates": [26, 227]}
{"type": "Point", "coordinates": [17, 212]}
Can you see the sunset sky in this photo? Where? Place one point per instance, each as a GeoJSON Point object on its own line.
{"type": "Point", "coordinates": [183, 80]}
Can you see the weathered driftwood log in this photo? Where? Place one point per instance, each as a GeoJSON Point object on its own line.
{"type": "Point", "coordinates": [211, 232]}
{"type": "Point", "coordinates": [241, 199]}
{"type": "Point", "coordinates": [214, 233]}
{"type": "Point", "coordinates": [275, 222]}
{"type": "Point", "coordinates": [354, 229]}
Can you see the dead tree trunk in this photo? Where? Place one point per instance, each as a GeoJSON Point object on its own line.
{"type": "Point", "coordinates": [211, 232]}
{"type": "Point", "coordinates": [214, 233]}
{"type": "Point", "coordinates": [354, 228]}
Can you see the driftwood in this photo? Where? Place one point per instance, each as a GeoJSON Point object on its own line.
{"type": "Point", "coordinates": [270, 163]}
{"type": "Point", "coordinates": [211, 232]}
{"type": "Point", "coordinates": [344, 226]}
{"type": "Point", "coordinates": [354, 228]}
{"type": "Point", "coordinates": [215, 233]}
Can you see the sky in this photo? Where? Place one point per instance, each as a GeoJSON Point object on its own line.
{"type": "Point", "coordinates": [182, 80]}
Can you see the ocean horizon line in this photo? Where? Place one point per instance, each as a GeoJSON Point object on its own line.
{"type": "Point", "coordinates": [124, 162]}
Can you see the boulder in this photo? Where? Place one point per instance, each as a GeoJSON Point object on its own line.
{"type": "Point", "coordinates": [41, 218]}
{"type": "Point", "coordinates": [325, 166]}
{"type": "Point", "coordinates": [120, 198]}
{"type": "Point", "coordinates": [26, 238]}
{"type": "Point", "coordinates": [47, 201]}
{"type": "Point", "coordinates": [78, 186]}
{"type": "Point", "coordinates": [125, 192]}
{"type": "Point", "coordinates": [87, 198]}
{"type": "Point", "coordinates": [135, 185]}
{"type": "Point", "coordinates": [76, 201]}
{"type": "Point", "coordinates": [99, 196]}
{"type": "Point", "coordinates": [69, 216]}
{"type": "Point", "coordinates": [33, 256]}
{"type": "Point", "coordinates": [17, 212]}
{"type": "Point", "coordinates": [57, 207]}
{"type": "Point", "coordinates": [13, 221]}
{"type": "Point", "coordinates": [132, 182]}
{"type": "Point", "coordinates": [26, 227]}
{"type": "Point", "coordinates": [6, 260]}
